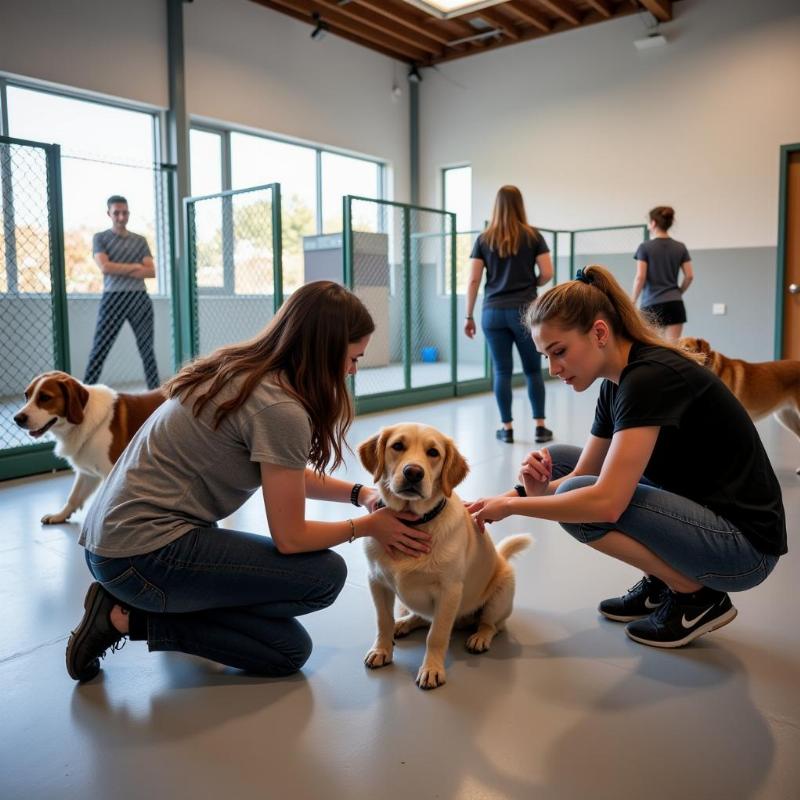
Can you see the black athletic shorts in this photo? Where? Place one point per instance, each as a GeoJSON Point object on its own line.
{"type": "Point", "coordinates": [672, 312]}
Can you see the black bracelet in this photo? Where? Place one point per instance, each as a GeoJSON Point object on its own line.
{"type": "Point", "coordinates": [520, 490]}
{"type": "Point", "coordinates": [357, 487]}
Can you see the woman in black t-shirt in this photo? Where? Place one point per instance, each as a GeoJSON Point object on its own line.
{"type": "Point", "coordinates": [659, 261]}
{"type": "Point", "coordinates": [674, 478]}
{"type": "Point", "coordinates": [510, 251]}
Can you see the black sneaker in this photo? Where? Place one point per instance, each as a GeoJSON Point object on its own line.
{"type": "Point", "coordinates": [94, 635]}
{"type": "Point", "coordinates": [542, 434]}
{"type": "Point", "coordinates": [682, 618]}
{"type": "Point", "coordinates": [505, 435]}
{"type": "Point", "coordinates": [640, 600]}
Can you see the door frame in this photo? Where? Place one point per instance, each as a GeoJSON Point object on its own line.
{"type": "Point", "coordinates": [786, 150]}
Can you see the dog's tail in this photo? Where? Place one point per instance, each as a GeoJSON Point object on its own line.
{"type": "Point", "coordinates": [512, 545]}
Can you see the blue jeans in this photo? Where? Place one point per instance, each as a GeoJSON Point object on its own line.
{"type": "Point", "coordinates": [691, 538]}
{"type": "Point", "coordinates": [225, 595]}
{"type": "Point", "coordinates": [503, 328]}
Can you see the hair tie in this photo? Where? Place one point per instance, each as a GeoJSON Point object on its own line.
{"type": "Point", "coordinates": [581, 276]}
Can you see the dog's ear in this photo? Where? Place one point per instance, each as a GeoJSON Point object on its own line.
{"type": "Point", "coordinates": [371, 454]}
{"type": "Point", "coordinates": [75, 397]}
{"type": "Point", "coordinates": [454, 469]}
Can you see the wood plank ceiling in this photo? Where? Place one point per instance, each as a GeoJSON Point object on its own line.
{"type": "Point", "coordinates": [404, 31]}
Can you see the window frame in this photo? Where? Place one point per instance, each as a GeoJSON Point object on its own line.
{"type": "Point", "coordinates": [444, 283]}
{"type": "Point", "coordinates": [83, 95]}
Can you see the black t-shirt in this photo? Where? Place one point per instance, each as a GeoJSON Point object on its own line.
{"type": "Point", "coordinates": [510, 281]}
{"type": "Point", "coordinates": [707, 450]}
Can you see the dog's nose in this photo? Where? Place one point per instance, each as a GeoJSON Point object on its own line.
{"type": "Point", "coordinates": [20, 419]}
{"type": "Point", "coordinates": [412, 473]}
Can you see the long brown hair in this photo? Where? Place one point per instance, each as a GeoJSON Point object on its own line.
{"type": "Point", "coordinates": [305, 348]}
{"type": "Point", "coordinates": [509, 223]}
{"type": "Point", "coordinates": [577, 304]}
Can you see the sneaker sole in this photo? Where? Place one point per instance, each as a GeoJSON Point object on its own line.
{"type": "Point", "coordinates": [620, 618]}
{"type": "Point", "coordinates": [77, 635]}
{"type": "Point", "coordinates": [719, 622]}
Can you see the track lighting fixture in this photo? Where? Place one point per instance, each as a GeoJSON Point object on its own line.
{"type": "Point", "coordinates": [414, 75]}
{"type": "Point", "coordinates": [321, 27]}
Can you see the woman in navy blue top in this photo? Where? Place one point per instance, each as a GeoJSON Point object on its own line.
{"type": "Point", "coordinates": [517, 260]}
{"type": "Point", "coordinates": [659, 261]}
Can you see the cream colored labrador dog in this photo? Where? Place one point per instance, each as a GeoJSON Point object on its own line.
{"type": "Point", "coordinates": [463, 577]}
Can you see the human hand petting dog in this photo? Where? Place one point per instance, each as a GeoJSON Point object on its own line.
{"type": "Point", "coordinates": [397, 538]}
{"type": "Point", "coordinates": [369, 498]}
{"type": "Point", "coordinates": [489, 509]}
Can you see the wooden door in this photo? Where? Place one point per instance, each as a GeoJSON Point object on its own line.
{"type": "Point", "coordinates": [790, 288]}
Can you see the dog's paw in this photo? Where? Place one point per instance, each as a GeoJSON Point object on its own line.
{"type": "Point", "coordinates": [378, 657]}
{"type": "Point", "coordinates": [431, 676]}
{"type": "Point", "coordinates": [478, 643]}
{"type": "Point", "coordinates": [406, 625]}
{"type": "Point", "coordinates": [56, 519]}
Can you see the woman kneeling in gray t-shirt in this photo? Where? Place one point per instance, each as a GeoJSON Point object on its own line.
{"type": "Point", "coordinates": [268, 413]}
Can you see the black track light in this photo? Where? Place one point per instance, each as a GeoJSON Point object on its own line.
{"type": "Point", "coordinates": [413, 75]}
{"type": "Point", "coordinates": [321, 27]}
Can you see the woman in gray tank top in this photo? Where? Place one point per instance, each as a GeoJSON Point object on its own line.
{"type": "Point", "coordinates": [268, 414]}
{"type": "Point", "coordinates": [659, 261]}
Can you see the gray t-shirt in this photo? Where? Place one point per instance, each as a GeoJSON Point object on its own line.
{"type": "Point", "coordinates": [178, 473]}
{"type": "Point", "coordinates": [664, 257]}
{"type": "Point", "coordinates": [130, 249]}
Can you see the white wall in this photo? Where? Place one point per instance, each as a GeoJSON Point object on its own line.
{"type": "Point", "coordinates": [245, 64]}
{"type": "Point", "coordinates": [595, 132]}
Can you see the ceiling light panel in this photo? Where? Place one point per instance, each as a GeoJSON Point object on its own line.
{"type": "Point", "coordinates": [445, 9]}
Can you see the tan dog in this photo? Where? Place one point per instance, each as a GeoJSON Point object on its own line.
{"type": "Point", "coordinates": [92, 426]}
{"type": "Point", "coordinates": [463, 577]}
{"type": "Point", "coordinates": [765, 387]}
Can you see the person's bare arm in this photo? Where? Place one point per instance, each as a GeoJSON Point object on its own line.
{"type": "Point", "coordinates": [639, 280]}
{"type": "Point", "coordinates": [284, 491]}
{"type": "Point", "coordinates": [476, 267]}
{"type": "Point", "coordinates": [605, 500]}
{"type": "Point", "coordinates": [688, 276]}
{"type": "Point", "coordinates": [545, 264]}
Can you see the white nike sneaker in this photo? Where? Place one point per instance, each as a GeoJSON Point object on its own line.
{"type": "Point", "coordinates": [682, 618]}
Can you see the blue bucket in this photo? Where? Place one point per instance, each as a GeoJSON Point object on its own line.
{"type": "Point", "coordinates": [430, 354]}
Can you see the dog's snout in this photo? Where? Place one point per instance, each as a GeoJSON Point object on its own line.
{"type": "Point", "coordinates": [20, 419]}
{"type": "Point", "coordinates": [413, 473]}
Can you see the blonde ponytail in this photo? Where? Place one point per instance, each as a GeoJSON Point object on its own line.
{"type": "Point", "coordinates": [596, 294]}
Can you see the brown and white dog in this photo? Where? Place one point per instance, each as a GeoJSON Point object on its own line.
{"type": "Point", "coordinates": [463, 577]}
{"type": "Point", "coordinates": [92, 426]}
{"type": "Point", "coordinates": [765, 387]}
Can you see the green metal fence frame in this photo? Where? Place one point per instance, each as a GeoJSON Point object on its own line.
{"type": "Point", "coordinates": [16, 462]}
{"type": "Point", "coordinates": [642, 227]}
{"type": "Point", "coordinates": [408, 395]}
{"type": "Point", "coordinates": [191, 326]}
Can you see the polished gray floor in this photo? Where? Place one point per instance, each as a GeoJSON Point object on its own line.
{"type": "Point", "coordinates": [563, 706]}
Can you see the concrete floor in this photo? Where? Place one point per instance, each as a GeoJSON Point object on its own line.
{"type": "Point", "coordinates": [563, 706]}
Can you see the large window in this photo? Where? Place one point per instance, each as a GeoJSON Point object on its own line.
{"type": "Point", "coordinates": [457, 197]}
{"type": "Point", "coordinates": [105, 150]}
{"type": "Point", "coordinates": [313, 182]}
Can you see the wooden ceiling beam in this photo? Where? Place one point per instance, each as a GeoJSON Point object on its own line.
{"type": "Point", "coordinates": [302, 17]}
{"type": "Point", "coordinates": [369, 21]}
{"type": "Point", "coordinates": [379, 7]}
{"type": "Point", "coordinates": [563, 9]}
{"type": "Point", "coordinates": [660, 9]}
{"type": "Point", "coordinates": [337, 23]}
{"type": "Point", "coordinates": [494, 19]}
{"type": "Point", "coordinates": [527, 14]}
{"type": "Point", "coordinates": [602, 7]}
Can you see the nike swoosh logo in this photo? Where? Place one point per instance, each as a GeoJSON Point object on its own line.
{"type": "Point", "coordinates": [649, 604]}
{"type": "Point", "coordinates": [688, 623]}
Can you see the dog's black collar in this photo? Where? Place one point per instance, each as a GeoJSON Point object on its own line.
{"type": "Point", "coordinates": [432, 514]}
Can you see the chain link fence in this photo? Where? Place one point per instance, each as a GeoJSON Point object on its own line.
{"type": "Point", "coordinates": [33, 326]}
{"type": "Point", "coordinates": [397, 261]}
{"type": "Point", "coordinates": [234, 259]}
